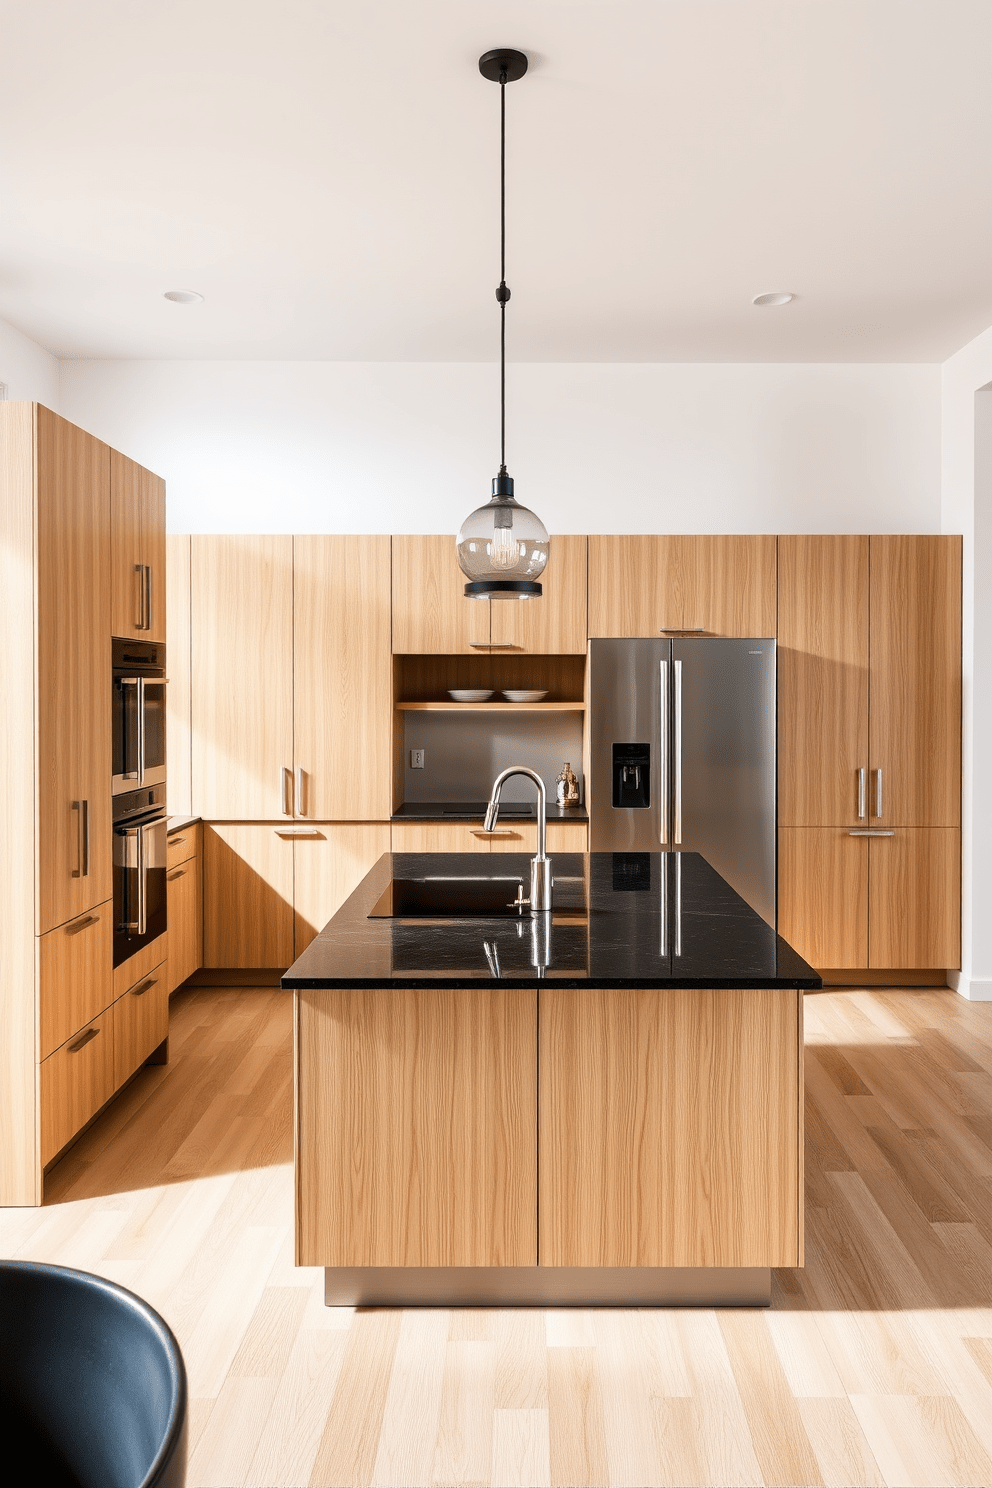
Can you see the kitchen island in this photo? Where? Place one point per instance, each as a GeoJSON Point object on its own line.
{"type": "Point", "coordinates": [598, 1106]}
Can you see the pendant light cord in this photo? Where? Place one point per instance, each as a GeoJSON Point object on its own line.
{"type": "Point", "coordinates": [502, 294]}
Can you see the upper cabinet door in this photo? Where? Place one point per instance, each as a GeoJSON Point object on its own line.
{"type": "Point", "coordinates": [822, 681]}
{"type": "Point", "coordinates": [915, 697]}
{"type": "Point", "coordinates": [556, 623]}
{"type": "Point", "coordinates": [74, 683]}
{"type": "Point", "coordinates": [342, 678]}
{"type": "Point", "coordinates": [153, 551]}
{"type": "Point", "coordinates": [430, 612]}
{"type": "Point", "coordinates": [241, 617]}
{"type": "Point", "coordinates": [125, 520]}
{"type": "Point", "coordinates": [642, 585]}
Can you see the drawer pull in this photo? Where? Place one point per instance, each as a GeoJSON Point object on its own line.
{"type": "Point", "coordinates": [870, 832]}
{"type": "Point", "coordinates": [502, 832]}
{"type": "Point", "coordinates": [298, 832]}
{"type": "Point", "coordinates": [175, 841]}
{"type": "Point", "coordinates": [78, 925]}
{"type": "Point", "coordinates": [176, 873]}
{"type": "Point", "coordinates": [145, 987]}
{"type": "Point", "coordinates": [83, 1040]}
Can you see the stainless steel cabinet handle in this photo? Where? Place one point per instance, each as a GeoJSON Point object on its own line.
{"type": "Point", "coordinates": [139, 569]}
{"type": "Point", "coordinates": [78, 925]}
{"type": "Point", "coordinates": [862, 807]}
{"type": "Point", "coordinates": [301, 809]}
{"type": "Point", "coordinates": [870, 832]}
{"type": "Point", "coordinates": [497, 832]}
{"type": "Point", "coordinates": [287, 790]}
{"type": "Point", "coordinates": [678, 755]}
{"type": "Point", "coordinates": [148, 596]}
{"type": "Point", "coordinates": [878, 793]}
{"type": "Point", "coordinates": [502, 646]}
{"type": "Point", "coordinates": [298, 832]}
{"type": "Point", "coordinates": [176, 873]}
{"type": "Point", "coordinates": [83, 1040]}
{"type": "Point", "coordinates": [665, 790]}
{"type": "Point", "coordinates": [82, 868]}
{"type": "Point", "coordinates": [145, 987]}
{"type": "Point", "coordinates": [681, 630]}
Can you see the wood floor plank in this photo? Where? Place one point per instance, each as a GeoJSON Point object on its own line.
{"type": "Point", "coordinates": [777, 1431]}
{"type": "Point", "coordinates": [295, 1424]}
{"type": "Point", "coordinates": [577, 1436]}
{"type": "Point", "coordinates": [408, 1436]}
{"type": "Point", "coordinates": [521, 1359]}
{"type": "Point", "coordinates": [464, 1449]}
{"type": "Point", "coordinates": [837, 1438]}
{"type": "Point", "coordinates": [349, 1443]}
{"type": "Point", "coordinates": [521, 1449]}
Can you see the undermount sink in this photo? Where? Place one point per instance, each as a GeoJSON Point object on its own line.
{"type": "Point", "coordinates": [444, 898]}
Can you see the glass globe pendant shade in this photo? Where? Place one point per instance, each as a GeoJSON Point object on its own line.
{"type": "Point", "coordinates": [502, 547]}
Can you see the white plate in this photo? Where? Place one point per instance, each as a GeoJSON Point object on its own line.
{"type": "Point", "coordinates": [470, 695]}
{"type": "Point", "coordinates": [524, 697]}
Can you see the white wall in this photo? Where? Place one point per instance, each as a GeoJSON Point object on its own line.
{"type": "Point", "coordinates": [966, 482]}
{"type": "Point", "coordinates": [408, 447]}
{"type": "Point", "coordinates": [30, 372]}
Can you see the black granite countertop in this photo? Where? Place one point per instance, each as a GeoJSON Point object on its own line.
{"type": "Point", "coordinates": [509, 811]}
{"type": "Point", "coordinates": [619, 920]}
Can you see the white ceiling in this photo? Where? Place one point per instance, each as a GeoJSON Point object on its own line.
{"type": "Point", "coordinates": [326, 175]}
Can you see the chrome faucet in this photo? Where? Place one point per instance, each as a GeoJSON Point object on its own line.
{"type": "Point", "coordinates": [540, 866]}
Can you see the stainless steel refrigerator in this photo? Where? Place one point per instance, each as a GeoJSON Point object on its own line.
{"type": "Point", "coordinates": [682, 754]}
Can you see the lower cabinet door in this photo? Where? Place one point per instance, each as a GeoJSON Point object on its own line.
{"type": "Point", "coordinates": [823, 895]}
{"type": "Point", "coordinates": [185, 889]}
{"type": "Point", "coordinates": [75, 1082]}
{"type": "Point", "coordinates": [247, 896]}
{"type": "Point", "coordinates": [417, 1123]}
{"type": "Point", "coordinates": [669, 1129]}
{"type": "Point", "coordinates": [330, 862]}
{"type": "Point", "coordinates": [75, 975]}
{"type": "Point", "coordinates": [914, 901]}
{"type": "Point", "coordinates": [141, 1022]}
{"type": "Point", "coordinates": [521, 837]}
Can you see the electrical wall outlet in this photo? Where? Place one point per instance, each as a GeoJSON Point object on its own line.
{"type": "Point", "coordinates": [417, 757]}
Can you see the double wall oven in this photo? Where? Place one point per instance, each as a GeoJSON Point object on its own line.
{"type": "Point", "coordinates": [139, 800]}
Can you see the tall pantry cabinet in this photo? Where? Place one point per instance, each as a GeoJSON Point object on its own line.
{"type": "Point", "coordinates": [869, 634]}
{"type": "Point", "coordinates": [291, 724]}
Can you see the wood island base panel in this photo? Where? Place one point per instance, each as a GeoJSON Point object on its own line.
{"type": "Point", "coordinates": [547, 1286]}
{"type": "Point", "coordinates": [600, 1114]}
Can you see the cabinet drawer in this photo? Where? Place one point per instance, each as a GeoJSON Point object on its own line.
{"type": "Point", "coordinates": [185, 884]}
{"type": "Point", "coordinates": [141, 1022]}
{"type": "Point", "coordinates": [75, 1082]}
{"type": "Point", "coordinates": [75, 976]}
{"type": "Point", "coordinates": [432, 837]}
{"type": "Point", "coordinates": [183, 844]}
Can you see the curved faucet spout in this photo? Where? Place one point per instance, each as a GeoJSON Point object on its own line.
{"type": "Point", "coordinates": [540, 866]}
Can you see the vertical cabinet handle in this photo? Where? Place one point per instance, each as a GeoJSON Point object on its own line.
{"type": "Point", "coordinates": [862, 805]}
{"type": "Point", "coordinates": [142, 915]}
{"type": "Point", "coordinates": [878, 793]}
{"type": "Point", "coordinates": [678, 757]}
{"type": "Point", "coordinates": [665, 784]}
{"type": "Point", "coordinates": [301, 809]}
{"type": "Point", "coordinates": [148, 596]}
{"type": "Point", "coordinates": [139, 569]}
{"type": "Point", "coordinates": [141, 730]}
{"type": "Point", "coordinates": [82, 810]}
{"type": "Point", "coordinates": [286, 782]}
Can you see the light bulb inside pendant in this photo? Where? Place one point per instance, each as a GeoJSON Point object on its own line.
{"type": "Point", "coordinates": [502, 547]}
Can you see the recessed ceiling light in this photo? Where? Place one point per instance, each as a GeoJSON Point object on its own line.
{"type": "Point", "coordinates": [775, 297]}
{"type": "Point", "coordinates": [183, 296]}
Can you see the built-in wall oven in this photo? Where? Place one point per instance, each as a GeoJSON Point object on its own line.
{"type": "Point", "coordinates": [139, 714]}
{"type": "Point", "coordinates": [140, 835]}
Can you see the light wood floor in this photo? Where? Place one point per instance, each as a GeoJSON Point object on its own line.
{"type": "Point", "coordinates": [874, 1364]}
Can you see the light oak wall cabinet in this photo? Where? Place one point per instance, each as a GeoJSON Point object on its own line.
{"type": "Point", "coordinates": [69, 509]}
{"type": "Point", "coordinates": [646, 584]}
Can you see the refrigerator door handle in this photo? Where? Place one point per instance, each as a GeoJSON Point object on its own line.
{"type": "Point", "coordinates": [861, 794]}
{"type": "Point", "coordinates": [665, 790]}
{"type": "Point", "coordinates": [678, 754]}
{"type": "Point", "coordinates": [664, 906]}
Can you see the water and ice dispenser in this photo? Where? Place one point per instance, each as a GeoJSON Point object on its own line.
{"type": "Point", "coordinates": [631, 775]}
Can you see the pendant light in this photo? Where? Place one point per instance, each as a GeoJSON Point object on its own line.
{"type": "Point", "coordinates": [502, 547]}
